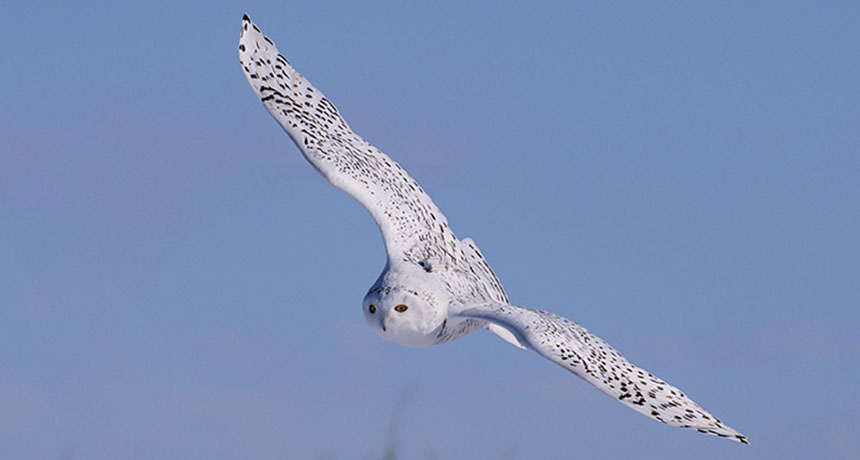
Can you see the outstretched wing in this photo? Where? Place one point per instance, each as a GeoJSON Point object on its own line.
{"type": "Point", "coordinates": [412, 226]}
{"type": "Point", "coordinates": [574, 348]}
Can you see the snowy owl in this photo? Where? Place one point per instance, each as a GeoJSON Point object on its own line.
{"type": "Point", "coordinates": [436, 288]}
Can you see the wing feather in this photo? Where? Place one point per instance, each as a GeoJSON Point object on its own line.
{"type": "Point", "coordinates": [572, 347]}
{"type": "Point", "coordinates": [412, 226]}
{"type": "Point", "coordinates": [482, 274]}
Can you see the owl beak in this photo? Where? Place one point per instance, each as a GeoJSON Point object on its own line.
{"type": "Point", "coordinates": [383, 325]}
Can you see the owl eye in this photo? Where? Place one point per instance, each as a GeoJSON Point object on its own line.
{"type": "Point", "coordinates": [400, 308]}
{"type": "Point", "coordinates": [372, 309]}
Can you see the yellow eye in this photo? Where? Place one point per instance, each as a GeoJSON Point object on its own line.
{"type": "Point", "coordinates": [372, 309]}
{"type": "Point", "coordinates": [400, 308]}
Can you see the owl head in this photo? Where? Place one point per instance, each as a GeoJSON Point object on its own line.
{"type": "Point", "coordinates": [403, 316]}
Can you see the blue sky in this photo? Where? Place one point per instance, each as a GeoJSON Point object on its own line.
{"type": "Point", "coordinates": [176, 282]}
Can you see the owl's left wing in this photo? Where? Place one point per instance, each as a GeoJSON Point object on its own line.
{"type": "Point", "coordinates": [414, 229]}
{"type": "Point", "coordinates": [572, 347]}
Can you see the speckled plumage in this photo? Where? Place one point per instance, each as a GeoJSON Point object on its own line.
{"type": "Point", "coordinates": [436, 288]}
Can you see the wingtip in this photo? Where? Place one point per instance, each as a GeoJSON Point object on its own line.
{"type": "Point", "coordinates": [736, 435]}
{"type": "Point", "coordinates": [245, 17]}
{"type": "Point", "coordinates": [727, 433]}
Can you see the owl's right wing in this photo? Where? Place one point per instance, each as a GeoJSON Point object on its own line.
{"type": "Point", "coordinates": [414, 229]}
{"type": "Point", "coordinates": [572, 347]}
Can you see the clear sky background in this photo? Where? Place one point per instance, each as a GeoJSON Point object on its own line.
{"type": "Point", "coordinates": [176, 282]}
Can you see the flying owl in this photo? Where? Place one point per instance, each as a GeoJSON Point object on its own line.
{"type": "Point", "coordinates": [436, 288]}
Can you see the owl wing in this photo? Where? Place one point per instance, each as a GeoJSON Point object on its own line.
{"type": "Point", "coordinates": [574, 348]}
{"type": "Point", "coordinates": [414, 229]}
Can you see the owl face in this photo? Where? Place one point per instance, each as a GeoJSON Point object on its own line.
{"type": "Point", "coordinates": [402, 316]}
